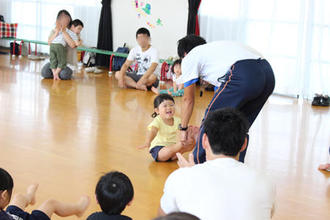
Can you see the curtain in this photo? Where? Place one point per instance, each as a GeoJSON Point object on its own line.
{"type": "Point", "coordinates": [193, 24]}
{"type": "Point", "coordinates": [104, 40]}
{"type": "Point", "coordinates": [293, 35]}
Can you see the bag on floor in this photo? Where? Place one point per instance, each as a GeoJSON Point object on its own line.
{"type": "Point", "coordinates": [117, 62]}
{"type": "Point", "coordinates": [89, 59]}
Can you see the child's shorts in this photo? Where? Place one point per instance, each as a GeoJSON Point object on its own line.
{"type": "Point", "coordinates": [57, 56]}
{"type": "Point", "coordinates": [137, 77]}
{"type": "Point", "coordinates": [154, 152]}
{"type": "Point", "coordinates": [22, 215]}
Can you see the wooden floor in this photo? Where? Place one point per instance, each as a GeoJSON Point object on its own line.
{"type": "Point", "coordinates": [65, 135]}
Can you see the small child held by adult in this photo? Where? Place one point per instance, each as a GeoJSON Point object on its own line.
{"type": "Point", "coordinates": [19, 202]}
{"type": "Point", "coordinates": [58, 41]}
{"type": "Point", "coordinates": [162, 136]}
{"type": "Point", "coordinates": [176, 90]}
{"type": "Point", "coordinates": [114, 191]}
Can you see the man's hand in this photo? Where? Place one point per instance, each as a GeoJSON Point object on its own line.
{"type": "Point", "coordinates": [182, 162]}
{"type": "Point", "coordinates": [183, 136]}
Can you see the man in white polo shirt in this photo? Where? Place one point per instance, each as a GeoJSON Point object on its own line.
{"type": "Point", "coordinates": [242, 77]}
{"type": "Point", "coordinates": [222, 187]}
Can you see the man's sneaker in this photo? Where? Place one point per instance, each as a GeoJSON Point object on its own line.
{"type": "Point", "coordinates": [325, 100]}
{"type": "Point", "coordinates": [317, 100]}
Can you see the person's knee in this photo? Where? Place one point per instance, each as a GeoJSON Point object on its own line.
{"type": "Point", "coordinates": [65, 74]}
{"type": "Point", "coordinates": [117, 75]}
{"type": "Point", "coordinates": [46, 72]}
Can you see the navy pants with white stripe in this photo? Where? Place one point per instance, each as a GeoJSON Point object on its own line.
{"type": "Point", "coordinates": [246, 87]}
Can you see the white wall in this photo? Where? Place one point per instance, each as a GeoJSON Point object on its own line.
{"type": "Point", "coordinates": [174, 16]}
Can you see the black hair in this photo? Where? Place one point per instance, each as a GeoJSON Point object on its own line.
{"type": "Point", "coordinates": [142, 31]}
{"type": "Point", "coordinates": [114, 191]}
{"type": "Point", "coordinates": [226, 130]}
{"type": "Point", "coordinates": [159, 99]}
{"type": "Point", "coordinates": [77, 22]}
{"type": "Point", "coordinates": [65, 12]}
{"type": "Point", "coordinates": [186, 44]}
{"type": "Point", "coordinates": [6, 181]}
{"type": "Point", "coordinates": [176, 62]}
{"type": "Point", "coordinates": [178, 216]}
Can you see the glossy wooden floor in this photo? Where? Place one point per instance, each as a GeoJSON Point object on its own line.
{"type": "Point", "coordinates": [65, 135]}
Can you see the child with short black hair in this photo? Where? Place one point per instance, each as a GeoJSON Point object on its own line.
{"type": "Point", "coordinates": [176, 90]}
{"type": "Point", "coordinates": [19, 202]}
{"type": "Point", "coordinates": [114, 191]}
{"type": "Point", "coordinates": [162, 139]}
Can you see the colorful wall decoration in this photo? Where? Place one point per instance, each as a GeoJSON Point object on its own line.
{"type": "Point", "coordinates": [144, 11]}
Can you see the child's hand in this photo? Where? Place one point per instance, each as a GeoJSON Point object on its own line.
{"type": "Point", "coordinates": [169, 92]}
{"type": "Point", "coordinates": [58, 27]}
{"type": "Point", "coordinates": [146, 145]}
{"type": "Point", "coordinates": [63, 28]}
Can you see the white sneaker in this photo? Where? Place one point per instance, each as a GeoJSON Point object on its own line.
{"type": "Point", "coordinates": [97, 71]}
{"type": "Point", "coordinates": [89, 69]}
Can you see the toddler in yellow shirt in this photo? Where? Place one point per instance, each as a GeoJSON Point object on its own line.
{"type": "Point", "coordinates": [162, 136]}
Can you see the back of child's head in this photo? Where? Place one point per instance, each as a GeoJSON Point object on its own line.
{"type": "Point", "coordinates": [77, 22]}
{"type": "Point", "coordinates": [176, 62]}
{"type": "Point", "coordinates": [114, 191]}
{"type": "Point", "coordinates": [159, 99]}
{"type": "Point", "coordinates": [178, 216]}
{"type": "Point", "coordinates": [6, 181]}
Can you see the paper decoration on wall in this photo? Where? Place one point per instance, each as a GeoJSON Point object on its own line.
{"type": "Point", "coordinates": [147, 9]}
{"type": "Point", "coordinates": [143, 9]}
{"type": "Point", "coordinates": [159, 22]}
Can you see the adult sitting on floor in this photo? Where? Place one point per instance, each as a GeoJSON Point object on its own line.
{"type": "Point", "coordinates": [75, 28]}
{"type": "Point", "coordinates": [222, 187]}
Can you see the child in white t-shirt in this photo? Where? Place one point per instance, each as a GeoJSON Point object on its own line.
{"type": "Point", "coordinates": [177, 89]}
{"type": "Point", "coordinates": [147, 58]}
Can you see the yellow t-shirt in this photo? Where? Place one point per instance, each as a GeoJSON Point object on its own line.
{"type": "Point", "coordinates": [167, 134]}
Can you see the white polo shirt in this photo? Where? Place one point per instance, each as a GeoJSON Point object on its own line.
{"type": "Point", "coordinates": [219, 189]}
{"type": "Point", "coordinates": [211, 61]}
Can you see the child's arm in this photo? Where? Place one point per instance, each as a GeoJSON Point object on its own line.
{"type": "Point", "coordinates": [151, 134]}
{"type": "Point", "coordinates": [79, 41]}
{"type": "Point", "coordinates": [53, 36]}
{"type": "Point", "coordinates": [175, 87]}
{"type": "Point", "coordinates": [68, 39]}
{"type": "Point", "coordinates": [181, 86]}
